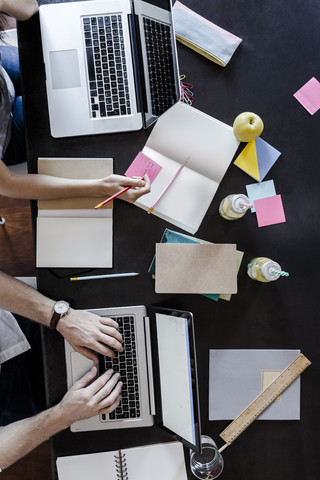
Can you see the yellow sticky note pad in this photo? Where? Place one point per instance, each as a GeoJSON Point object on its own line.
{"type": "Point", "coordinates": [248, 160]}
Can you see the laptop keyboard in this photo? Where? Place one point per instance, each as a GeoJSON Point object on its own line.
{"type": "Point", "coordinates": [160, 65]}
{"type": "Point", "coordinates": [107, 69]}
{"type": "Point", "coordinates": [126, 363]}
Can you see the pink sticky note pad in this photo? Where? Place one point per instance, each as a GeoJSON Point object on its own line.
{"type": "Point", "coordinates": [142, 165]}
{"type": "Point", "coordinates": [309, 95]}
{"type": "Point", "coordinates": [269, 210]}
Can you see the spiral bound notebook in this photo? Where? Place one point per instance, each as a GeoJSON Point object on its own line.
{"type": "Point", "coordinates": [160, 461]}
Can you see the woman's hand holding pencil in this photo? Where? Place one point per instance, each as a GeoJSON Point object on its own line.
{"type": "Point", "coordinates": [130, 189]}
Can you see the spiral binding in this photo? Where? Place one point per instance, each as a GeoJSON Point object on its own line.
{"type": "Point", "coordinates": [121, 466]}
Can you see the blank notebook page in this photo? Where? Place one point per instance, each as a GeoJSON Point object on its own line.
{"type": "Point", "coordinates": [157, 462]}
{"type": "Point", "coordinates": [97, 466]}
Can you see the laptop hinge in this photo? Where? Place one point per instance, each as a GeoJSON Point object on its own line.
{"type": "Point", "coordinates": [139, 81]}
{"type": "Point", "coordinates": [149, 366]}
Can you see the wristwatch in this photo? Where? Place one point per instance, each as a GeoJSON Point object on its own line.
{"type": "Point", "coordinates": [60, 309]}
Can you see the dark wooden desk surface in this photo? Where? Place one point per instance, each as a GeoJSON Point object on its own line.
{"type": "Point", "coordinates": [279, 54]}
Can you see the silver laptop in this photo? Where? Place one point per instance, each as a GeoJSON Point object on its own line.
{"type": "Point", "coordinates": [111, 65]}
{"type": "Point", "coordinates": [158, 370]}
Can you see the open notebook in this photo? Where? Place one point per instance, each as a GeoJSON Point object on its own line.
{"type": "Point", "coordinates": [182, 133]}
{"type": "Point", "coordinates": [70, 233]}
{"type": "Point", "coordinates": [163, 461]}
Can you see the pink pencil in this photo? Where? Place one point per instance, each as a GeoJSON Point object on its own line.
{"type": "Point", "coordinates": [111, 198]}
{"type": "Point", "coordinates": [169, 184]}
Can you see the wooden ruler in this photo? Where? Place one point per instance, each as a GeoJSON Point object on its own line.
{"type": "Point", "coordinates": [250, 413]}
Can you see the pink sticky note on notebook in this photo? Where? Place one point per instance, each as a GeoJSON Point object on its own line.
{"type": "Point", "coordinates": [142, 165]}
{"type": "Point", "coordinates": [269, 210]}
{"type": "Point", "coordinates": [309, 95]}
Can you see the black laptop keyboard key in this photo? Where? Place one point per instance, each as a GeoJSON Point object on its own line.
{"type": "Point", "coordinates": [102, 109]}
{"type": "Point", "coordinates": [90, 62]}
{"type": "Point", "coordinates": [103, 37]}
{"type": "Point", "coordinates": [126, 364]}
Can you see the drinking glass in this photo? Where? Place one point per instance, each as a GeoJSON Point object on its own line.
{"type": "Point", "coordinates": [209, 463]}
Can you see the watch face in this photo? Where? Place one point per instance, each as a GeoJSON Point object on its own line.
{"type": "Point", "coordinates": [61, 307]}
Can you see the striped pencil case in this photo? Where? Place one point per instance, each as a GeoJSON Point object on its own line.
{"type": "Point", "coordinates": [203, 36]}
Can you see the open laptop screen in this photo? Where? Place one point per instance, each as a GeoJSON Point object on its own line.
{"type": "Point", "coordinates": [177, 372]}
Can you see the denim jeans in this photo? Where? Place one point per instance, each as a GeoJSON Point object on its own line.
{"type": "Point", "coordinates": [16, 151]}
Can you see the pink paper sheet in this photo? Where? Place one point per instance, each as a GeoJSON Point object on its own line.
{"type": "Point", "coordinates": [142, 165]}
{"type": "Point", "coordinates": [269, 210]}
{"type": "Point", "coordinates": [309, 95]}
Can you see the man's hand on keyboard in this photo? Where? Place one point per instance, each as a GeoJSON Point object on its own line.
{"type": "Point", "coordinates": [115, 183]}
{"type": "Point", "coordinates": [88, 333]}
{"type": "Point", "coordinates": [85, 399]}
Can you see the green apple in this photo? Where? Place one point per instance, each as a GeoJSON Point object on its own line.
{"type": "Point", "coordinates": [247, 126]}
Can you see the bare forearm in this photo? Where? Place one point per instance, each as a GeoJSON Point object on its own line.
{"type": "Point", "coordinates": [85, 331]}
{"type": "Point", "coordinates": [19, 9]}
{"type": "Point", "coordinates": [86, 398]}
{"type": "Point", "coordinates": [36, 187]}
{"type": "Point", "coordinates": [20, 438]}
{"type": "Point", "coordinates": [17, 297]}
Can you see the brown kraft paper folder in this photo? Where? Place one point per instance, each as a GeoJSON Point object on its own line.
{"type": "Point", "coordinates": [199, 268]}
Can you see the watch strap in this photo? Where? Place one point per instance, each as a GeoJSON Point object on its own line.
{"type": "Point", "coordinates": [54, 320]}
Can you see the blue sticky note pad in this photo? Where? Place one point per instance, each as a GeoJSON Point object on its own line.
{"type": "Point", "coordinates": [266, 155]}
{"type": "Point", "coordinates": [256, 191]}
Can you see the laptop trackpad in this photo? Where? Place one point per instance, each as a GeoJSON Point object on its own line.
{"type": "Point", "coordinates": [80, 365]}
{"type": "Point", "coordinates": [64, 66]}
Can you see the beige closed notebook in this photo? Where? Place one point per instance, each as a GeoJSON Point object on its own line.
{"type": "Point", "coordinates": [66, 242]}
{"type": "Point", "coordinates": [196, 268]}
